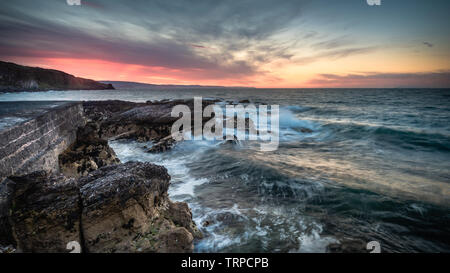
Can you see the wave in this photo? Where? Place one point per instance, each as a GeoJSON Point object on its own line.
{"type": "Point", "coordinates": [407, 138]}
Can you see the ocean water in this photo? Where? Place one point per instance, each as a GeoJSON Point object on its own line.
{"type": "Point", "coordinates": [376, 167]}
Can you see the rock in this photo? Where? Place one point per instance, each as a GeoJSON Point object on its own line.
{"type": "Point", "coordinates": [7, 249]}
{"type": "Point", "coordinates": [244, 101]}
{"type": "Point", "coordinates": [117, 208]}
{"type": "Point", "coordinates": [306, 130]}
{"type": "Point", "coordinates": [181, 215]}
{"type": "Point", "coordinates": [143, 122]}
{"type": "Point", "coordinates": [348, 246]}
{"type": "Point", "coordinates": [45, 212]}
{"type": "Point", "coordinates": [120, 202]}
{"type": "Point", "coordinates": [230, 142]}
{"type": "Point", "coordinates": [6, 196]}
{"type": "Point", "coordinates": [129, 203]}
{"type": "Point", "coordinates": [98, 111]}
{"type": "Point", "coordinates": [163, 145]}
{"type": "Point", "coordinates": [150, 121]}
{"type": "Point", "coordinates": [87, 154]}
{"type": "Point", "coordinates": [175, 240]}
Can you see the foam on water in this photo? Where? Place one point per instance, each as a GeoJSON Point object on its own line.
{"type": "Point", "coordinates": [230, 226]}
{"type": "Point", "coordinates": [6, 122]}
{"type": "Point", "coordinates": [182, 183]}
{"type": "Point", "coordinates": [373, 167]}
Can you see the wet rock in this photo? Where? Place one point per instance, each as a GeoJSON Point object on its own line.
{"type": "Point", "coordinates": [45, 213]}
{"type": "Point", "coordinates": [7, 249]}
{"type": "Point", "coordinates": [98, 111]}
{"type": "Point", "coordinates": [120, 202]}
{"type": "Point", "coordinates": [126, 209]}
{"type": "Point", "coordinates": [175, 240]}
{"type": "Point", "coordinates": [163, 145]}
{"type": "Point", "coordinates": [230, 142]}
{"type": "Point", "coordinates": [143, 122]}
{"type": "Point", "coordinates": [87, 154]}
{"type": "Point", "coordinates": [348, 246]}
{"type": "Point", "coordinates": [149, 122]}
{"type": "Point", "coordinates": [6, 196]}
{"type": "Point", "coordinates": [181, 215]}
{"type": "Point", "coordinates": [306, 130]}
{"type": "Point", "coordinates": [117, 208]}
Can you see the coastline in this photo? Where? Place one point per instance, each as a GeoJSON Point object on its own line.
{"type": "Point", "coordinates": [222, 213]}
{"type": "Point", "coordinates": [70, 168]}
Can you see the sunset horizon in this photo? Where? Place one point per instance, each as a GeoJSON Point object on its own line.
{"type": "Point", "coordinates": [289, 45]}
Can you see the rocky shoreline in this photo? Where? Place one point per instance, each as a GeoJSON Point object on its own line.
{"type": "Point", "coordinates": [118, 208]}
{"type": "Point", "coordinates": [90, 197]}
{"type": "Point", "coordinates": [62, 183]}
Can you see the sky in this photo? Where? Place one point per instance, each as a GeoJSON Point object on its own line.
{"type": "Point", "coordinates": [260, 43]}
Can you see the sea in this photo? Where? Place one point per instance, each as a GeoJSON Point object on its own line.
{"type": "Point", "coordinates": [373, 166]}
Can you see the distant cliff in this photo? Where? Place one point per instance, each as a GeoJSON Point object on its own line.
{"type": "Point", "coordinates": [14, 78]}
{"type": "Point", "coordinates": [147, 86]}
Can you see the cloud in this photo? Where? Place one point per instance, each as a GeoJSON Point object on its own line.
{"type": "Point", "coordinates": [428, 44]}
{"type": "Point", "coordinates": [335, 54]}
{"type": "Point", "coordinates": [438, 79]}
{"type": "Point", "coordinates": [165, 34]}
{"type": "Point", "coordinates": [222, 40]}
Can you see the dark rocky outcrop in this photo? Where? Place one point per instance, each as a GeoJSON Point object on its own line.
{"type": "Point", "coordinates": [87, 154]}
{"type": "Point", "coordinates": [45, 213]}
{"type": "Point", "coordinates": [348, 246]}
{"type": "Point", "coordinates": [118, 208]}
{"type": "Point", "coordinates": [162, 145]}
{"type": "Point", "coordinates": [6, 191]}
{"type": "Point", "coordinates": [14, 77]}
{"type": "Point", "coordinates": [66, 183]}
{"type": "Point", "coordinates": [99, 111]}
{"type": "Point", "coordinates": [150, 121]}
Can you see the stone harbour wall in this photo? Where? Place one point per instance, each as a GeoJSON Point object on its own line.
{"type": "Point", "coordinates": [35, 144]}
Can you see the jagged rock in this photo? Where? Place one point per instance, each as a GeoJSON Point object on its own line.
{"type": "Point", "coordinates": [45, 213]}
{"type": "Point", "coordinates": [230, 142]}
{"type": "Point", "coordinates": [117, 208]}
{"type": "Point", "coordinates": [150, 121]}
{"type": "Point", "coordinates": [98, 111]}
{"type": "Point", "coordinates": [348, 246]}
{"type": "Point", "coordinates": [306, 130]}
{"type": "Point", "coordinates": [6, 195]}
{"type": "Point", "coordinates": [181, 214]}
{"type": "Point", "coordinates": [174, 240]}
{"type": "Point", "coordinates": [163, 145]}
{"type": "Point", "coordinates": [120, 202]}
{"type": "Point", "coordinates": [87, 154]}
{"type": "Point", "coordinates": [126, 209]}
{"type": "Point", "coordinates": [7, 249]}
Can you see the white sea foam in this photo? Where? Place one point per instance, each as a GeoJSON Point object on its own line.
{"type": "Point", "coordinates": [182, 183]}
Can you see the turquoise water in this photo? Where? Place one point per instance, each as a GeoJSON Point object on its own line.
{"type": "Point", "coordinates": [376, 167]}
